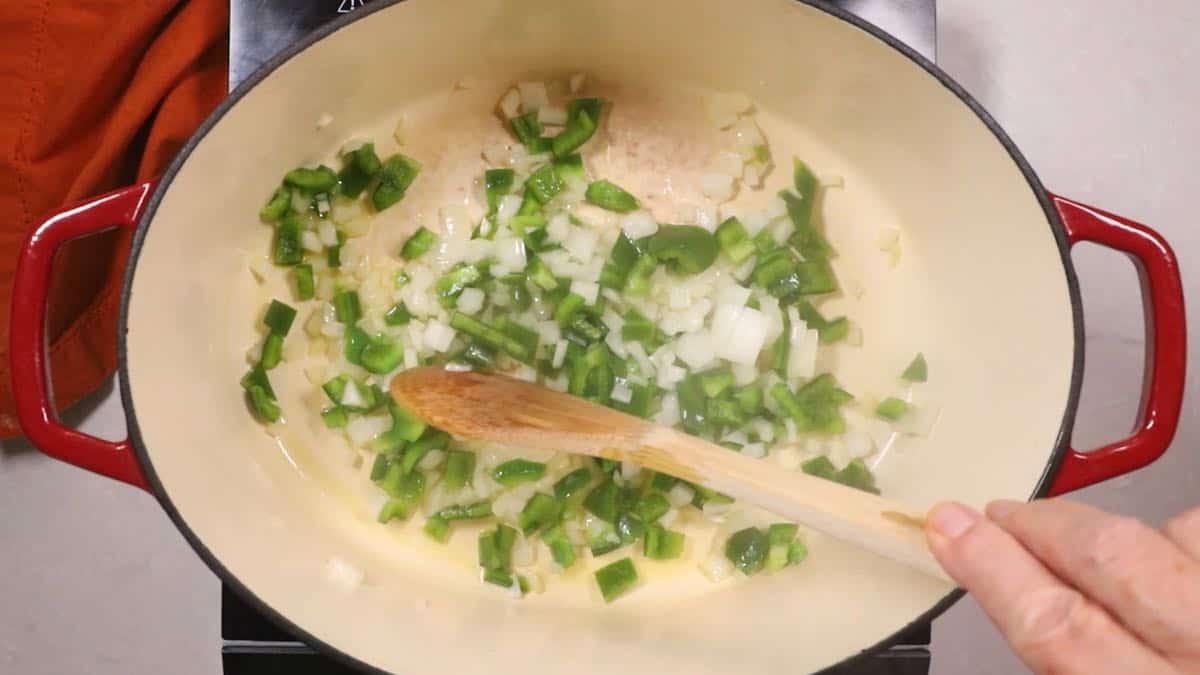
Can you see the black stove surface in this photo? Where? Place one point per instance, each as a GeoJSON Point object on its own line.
{"type": "Point", "coordinates": [259, 29]}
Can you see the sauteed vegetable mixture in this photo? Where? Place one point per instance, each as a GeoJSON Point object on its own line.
{"type": "Point", "coordinates": [713, 326]}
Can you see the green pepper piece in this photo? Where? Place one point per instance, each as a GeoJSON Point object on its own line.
{"type": "Point", "coordinates": [418, 244]}
{"type": "Point", "coordinates": [272, 351]}
{"type": "Point", "coordinates": [264, 405]}
{"type": "Point", "coordinates": [356, 341]}
{"type": "Point", "coordinates": [602, 538]}
{"type": "Point", "coordinates": [716, 382]}
{"type": "Point", "coordinates": [527, 128]}
{"type": "Point", "coordinates": [382, 355]}
{"type": "Point", "coordinates": [280, 202]}
{"type": "Point", "coordinates": [663, 544]}
{"type": "Point", "coordinates": [651, 506]}
{"type": "Point", "coordinates": [603, 501]}
{"type": "Point", "coordinates": [347, 307]}
{"type": "Point", "coordinates": [570, 167]}
{"type": "Point", "coordinates": [437, 529]}
{"type": "Point", "coordinates": [432, 439]}
{"type": "Point", "coordinates": [917, 371]}
{"type": "Point", "coordinates": [747, 550]}
{"type": "Point", "coordinates": [567, 308]}
{"type": "Point", "coordinates": [395, 177]}
{"type": "Point", "coordinates": [561, 549]}
{"type": "Point", "coordinates": [858, 476]}
{"type": "Point", "coordinates": [610, 196]}
{"type": "Point", "coordinates": [406, 492]}
{"type": "Point", "coordinates": [460, 468]}
{"type": "Point", "coordinates": [452, 283]}
{"type": "Point", "coordinates": [545, 183]}
{"type": "Point", "coordinates": [572, 483]}
{"type": "Point", "coordinates": [517, 471]}
{"type": "Point", "coordinates": [630, 528]}
{"type": "Point", "coordinates": [287, 249]}
{"type": "Point", "coordinates": [583, 115]}
{"type": "Point", "coordinates": [540, 511]}
{"type": "Point", "coordinates": [891, 409]}
{"type": "Point", "coordinates": [692, 408]}
{"type": "Point", "coordinates": [749, 398]}
{"type": "Point", "coordinates": [279, 318]}
{"type": "Point", "coordinates": [398, 315]}
{"type": "Point", "coordinates": [616, 579]}
{"type": "Point", "coordinates": [473, 511]}
{"type": "Point", "coordinates": [686, 249]}
{"type": "Point", "coordinates": [335, 417]}
{"type": "Point", "coordinates": [361, 165]}
{"type": "Point", "coordinates": [496, 183]}
{"type": "Point", "coordinates": [820, 467]}
{"type": "Point", "coordinates": [637, 282]}
{"type": "Point", "coordinates": [734, 241]}
{"type": "Point", "coordinates": [312, 181]}
{"type": "Point", "coordinates": [306, 287]}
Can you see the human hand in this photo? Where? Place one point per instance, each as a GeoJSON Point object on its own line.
{"type": "Point", "coordinates": [1076, 590]}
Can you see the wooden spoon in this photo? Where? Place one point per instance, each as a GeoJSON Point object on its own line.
{"type": "Point", "coordinates": [493, 408]}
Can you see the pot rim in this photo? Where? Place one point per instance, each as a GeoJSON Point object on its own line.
{"type": "Point", "coordinates": [1061, 444]}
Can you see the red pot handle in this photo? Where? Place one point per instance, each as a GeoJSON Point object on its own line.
{"type": "Point", "coordinates": [27, 335]}
{"type": "Point", "coordinates": [1166, 346]}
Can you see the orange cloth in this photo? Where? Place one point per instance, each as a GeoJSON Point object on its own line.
{"type": "Point", "coordinates": [97, 94]}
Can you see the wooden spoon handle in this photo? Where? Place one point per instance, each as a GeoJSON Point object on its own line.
{"type": "Point", "coordinates": [861, 518]}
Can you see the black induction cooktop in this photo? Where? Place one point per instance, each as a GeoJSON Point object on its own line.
{"type": "Point", "coordinates": [259, 29]}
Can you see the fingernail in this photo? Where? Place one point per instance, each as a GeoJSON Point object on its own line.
{"type": "Point", "coordinates": [951, 519]}
{"type": "Point", "coordinates": [1000, 508]}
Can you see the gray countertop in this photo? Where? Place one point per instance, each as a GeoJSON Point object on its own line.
{"type": "Point", "coordinates": [1101, 95]}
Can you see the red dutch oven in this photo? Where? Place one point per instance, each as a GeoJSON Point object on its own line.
{"type": "Point", "coordinates": [985, 288]}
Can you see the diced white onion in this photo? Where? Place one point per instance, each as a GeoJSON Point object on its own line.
{"type": "Point", "coordinates": [510, 103]}
{"type": "Point", "coordinates": [679, 297]}
{"type": "Point", "coordinates": [670, 375]}
{"type": "Point", "coordinates": [639, 224]}
{"type": "Point", "coordinates": [533, 95]}
{"type": "Point", "coordinates": [587, 290]}
{"type": "Point", "coordinates": [790, 425]}
{"type": "Point", "coordinates": [327, 232]}
{"type": "Point", "coordinates": [802, 359]}
{"type": "Point", "coordinates": [616, 344]}
{"type": "Point", "coordinates": [548, 332]}
{"type": "Point", "coordinates": [352, 397]}
{"type": "Point", "coordinates": [576, 82]}
{"type": "Point", "coordinates": [622, 393]}
{"type": "Point", "coordinates": [668, 412]}
{"type": "Point", "coordinates": [362, 429]}
{"type": "Point", "coordinates": [324, 120]}
{"type": "Point", "coordinates": [581, 242]}
{"type": "Point", "coordinates": [680, 495]}
{"type": "Point", "coordinates": [559, 227]}
{"type": "Point", "coordinates": [755, 222]}
{"type": "Point", "coordinates": [745, 338]}
{"type": "Point", "coordinates": [438, 336]}
{"type": "Point", "coordinates": [638, 352]}
{"type": "Point", "coordinates": [510, 252]}
{"type": "Point", "coordinates": [763, 429]}
{"type": "Point", "coordinates": [560, 354]}
{"type": "Point", "coordinates": [857, 443]}
{"type": "Point", "coordinates": [832, 180]}
{"type": "Point", "coordinates": [718, 186]}
{"type": "Point", "coordinates": [310, 241]}
{"type": "Point", "coordinates": [470, 301]}
{"type": "Point", "coordinates": [695, 349]}
{"type": "Point", "coordinates": [629, 470]}
{"type": "Point", "coordinates": [552, 115]}
{"type": "Point", "coordinates": [755, 450]}
{"type": "Point", "coordinates": [411, 360]}
{"type": "Point", "coordinates": [507, 208]}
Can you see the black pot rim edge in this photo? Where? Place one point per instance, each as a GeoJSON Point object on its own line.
{"type": "Point", "coordinates": [156, 487]}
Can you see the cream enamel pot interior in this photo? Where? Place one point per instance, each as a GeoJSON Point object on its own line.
{"type": "Point", "coordinates": [984, 287]}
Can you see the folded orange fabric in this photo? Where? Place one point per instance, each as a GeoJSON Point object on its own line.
{"type": "Point", "coordinates": [98, 94]}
